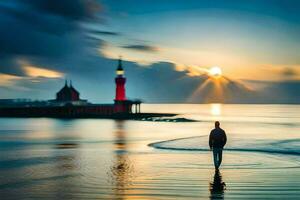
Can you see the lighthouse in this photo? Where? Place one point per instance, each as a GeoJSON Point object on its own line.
{"type": "Point", "coordinates": [120, 81]}
{"type": "Point", "coordinates": [122, 105]}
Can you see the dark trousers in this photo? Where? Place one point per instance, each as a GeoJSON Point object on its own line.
{"type": "Point", "coordinates": [217, 157]}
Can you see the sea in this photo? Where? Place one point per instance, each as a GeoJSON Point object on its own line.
{"type": "Point", "coordinates": [154, 158]}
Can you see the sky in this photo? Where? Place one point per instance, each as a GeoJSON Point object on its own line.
{"type": "Point", "coordinates": [167, 47]}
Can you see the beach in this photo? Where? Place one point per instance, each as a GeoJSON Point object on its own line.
{"type": "Point", "coordinates": [134, 159]}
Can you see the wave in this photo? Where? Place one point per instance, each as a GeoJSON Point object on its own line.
{"type": "Point", "coordinates": [287, 147]}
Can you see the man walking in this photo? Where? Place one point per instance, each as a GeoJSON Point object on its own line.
{"type": "Point", "coordinates": [217, 140]}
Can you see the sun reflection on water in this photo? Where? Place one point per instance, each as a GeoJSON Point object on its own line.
{"type": "Point", "coordinates": [215, 109]}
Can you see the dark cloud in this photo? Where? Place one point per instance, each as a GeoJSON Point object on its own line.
{"type": "Point", "coordinates": [280, 92]}
{"type": "Point", "coordinates": [105, 33]}
{"type": "Point", "coordinates": [289, 72]}
{"type": "Point", "coordinates": [159, 83]}
{"type": "Point", "coordinates": [70, 9]}
{"type": "Point", "coordinates": [43, 30]}
{"type": "Point", "coordinates": [143, 48]}
{"type": "Point", "coordinates": [22, 15]}
{"type": "Point", "coordinates": [10, 66]}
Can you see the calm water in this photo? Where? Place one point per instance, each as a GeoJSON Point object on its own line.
{"type": "Point", "coordinates": [107, 159]}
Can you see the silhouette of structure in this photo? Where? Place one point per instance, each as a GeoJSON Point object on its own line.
{"type": "Point", "coordinates": [68, 93]}
{"type": "Point", "coordinates": [68, 104]}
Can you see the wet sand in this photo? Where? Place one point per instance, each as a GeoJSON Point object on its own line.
{"type": "Point", "coordinates": [125, 173]}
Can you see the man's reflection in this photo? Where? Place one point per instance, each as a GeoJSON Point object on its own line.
{"type": "Point", "coordinates": [122, 168]}
{"type": "Point", "coordinates": [217, 187]}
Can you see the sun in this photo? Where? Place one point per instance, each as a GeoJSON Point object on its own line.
{"type": "Point", "coordinates": [215, 71]}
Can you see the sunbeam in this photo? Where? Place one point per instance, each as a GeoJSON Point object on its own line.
{"type": "Point", "coordinates": [199, 90]}
{"type": "Point", "coordinates": [217, 88]}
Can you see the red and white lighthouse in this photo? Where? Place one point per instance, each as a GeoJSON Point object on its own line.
{"type": "Point", "coordinates": [120, 83]}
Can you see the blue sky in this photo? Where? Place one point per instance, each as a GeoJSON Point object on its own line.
{"type": "Point", "coordinates": [167, 47]}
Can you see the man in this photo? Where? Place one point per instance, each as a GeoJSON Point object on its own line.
{"type": "Point", "coordinates": [217, 140]}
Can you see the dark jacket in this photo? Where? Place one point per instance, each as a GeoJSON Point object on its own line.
{"type": "Point", "coordinates": [217, 138]}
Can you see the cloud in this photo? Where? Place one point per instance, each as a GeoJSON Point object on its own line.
{"type": "Point", "coordinates": [142, 48]}
{"type": "Point", "coordinates": [159, 82]}
{"type": "Point", "coordinates": [289, 72]}
{"type": "Point", "coordinates": [69, 9]}
{"type": "Point", "coordinates": [10, 66]}
{"type": "Point", "coordinates": [33, 71]}
{"type": "Point", "coordinates": [7, 80]}
{"type": "Point", "coordinates": [48, 31]}
{"type": "Point", "coordinates": [104, 33]}
{"type": "Point", "coordinates": [280, 92]}
{"type": "Point", "coordinates": [192, 70]}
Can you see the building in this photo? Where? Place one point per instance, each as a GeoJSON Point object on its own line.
{"type": "Point", "coordinates": [122, 105]}
{"type": "Point", "coordinates": [68, 95]}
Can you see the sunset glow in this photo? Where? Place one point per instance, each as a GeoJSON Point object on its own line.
{"type": "Point", "coordinates": [6, 80]}
{"type": "Point", "coordinates": [39, 72]}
